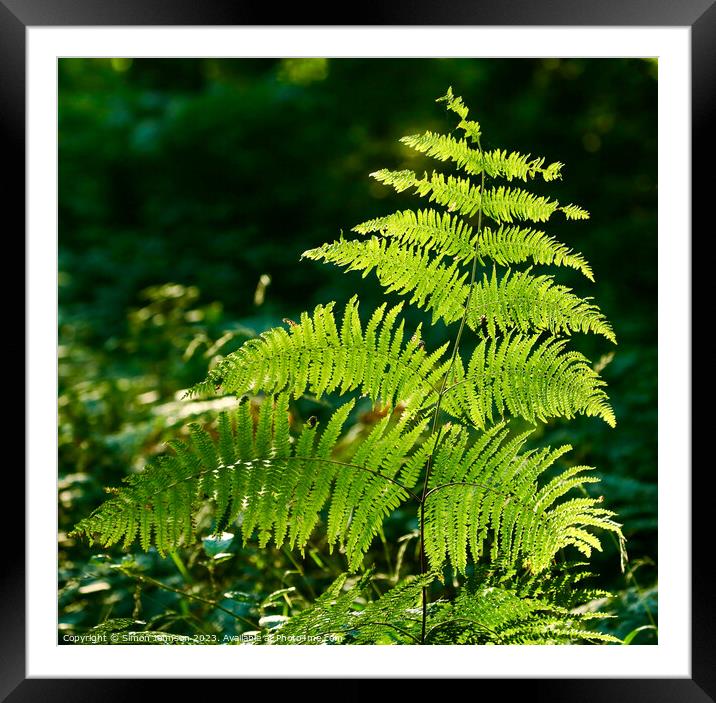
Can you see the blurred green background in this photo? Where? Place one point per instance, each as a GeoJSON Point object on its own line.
{"type": "Point", "coordinates": [188, 189]}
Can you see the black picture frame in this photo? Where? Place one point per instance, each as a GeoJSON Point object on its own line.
{"type": "Point", "coordinates": [699, 15]}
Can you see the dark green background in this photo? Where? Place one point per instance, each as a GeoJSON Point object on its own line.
{"type": "Point", "coordinates": [210, 173]}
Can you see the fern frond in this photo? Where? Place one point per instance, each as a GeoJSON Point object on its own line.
{"type": "Point", "coordinates": [428, 229]}
{"type": "Point", "coordinates": [489, 506]}
{"type": "Point", "coordinates": [277, 486]}
{"type": "Point", "coordinates": [343, 615]}
{"type": "Point", "coordinates": [563, 584]}
{"type": "Point", "coordinates": [513, 245]}
{"type": "Point", "coordinates": [449, 235]}
{"type": "Point", "coordinates": [524, 377]}
{"type": "Point", "coordinates": [493, 615]}
{"type": "Point", "coordinates": [434, 286]}
{"type": "Point", "coordinates": [315, 355]}
{"type": "Point", "coordinates": [490, 490]}
{"type": "Point", "coordinates": [497, 163]}
{"type": "Point", "coordinates": [518, 300]}
{"type": "Point", "coordinates": [456, 104]}
{"type": "Point", "coordinates": [508, 204]}
{"type": "Point", "coordinates": [574, 212]}
{"type": "Point", "coordinates": [362, 500]}
{"type": "Point", "coordinates": [514, 375]}
{"type": "Point", "coordinates": [458, 194]}
{"type": "Point", "coordinates": [484, 614]}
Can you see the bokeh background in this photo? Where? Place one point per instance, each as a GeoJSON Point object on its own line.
{"type": "Point", "coordinates": [188, 190]}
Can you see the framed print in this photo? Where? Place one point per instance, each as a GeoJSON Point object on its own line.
{"type": "Point", "coordinates": [364, 348]}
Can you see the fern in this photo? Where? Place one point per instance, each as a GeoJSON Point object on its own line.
{"type": "Point", "coordinates": [518, 375]}
{"type": "Point", "coordinates": [491, 488]}
{"type": "Point", "coordinates": [489, 613]}
{"type": "Point", "coordinates": [451, 236]}
{"type": "Point", "coordinates": [315, 355]}
{"type": "Point", "coordinates": [492, 615]}
{"type": "Point", "coordinates": [496, 163]}
{"type": "Point", "coordinates": [519, 300]}
{"type": "Point", "coordinates": [525, 377]}
{"type": "Point", "coordinates": [461, 195]}
{"type": "Point", "coordinates": [492, 509]}
{"type": "Point", "coordinates": [277, 486]}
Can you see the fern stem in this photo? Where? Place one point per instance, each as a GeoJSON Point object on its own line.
{"type": "Point", "coordinates": [436, 428]}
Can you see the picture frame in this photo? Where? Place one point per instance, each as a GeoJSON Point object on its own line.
{"type": "Point", "coordinates": [16, 16]}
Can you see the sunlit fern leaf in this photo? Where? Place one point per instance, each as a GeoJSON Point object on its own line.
{"type": "Point", "coordinates": [491, 489]}
{"type": "Point", "coordinates": [439, 232]}
{"type": "Point", "coordinates": [277, 486]}
{"type": "Point", "coordinates": [319, 356]}
{"type": "Point", "coordinates": [487, 614]}
{"type": "Point", "coordinates": [574, 212]}
{"type": "Point", "coordinates": [486, 497]}
{"type": "Point", "coordinates": [522, 301]}
{"type": "Point", "coordinates": [497, 163]}
{"type": "Point", "coordinates": [450, 236]}
{"type": "Point", "coordinates": [493, 615]}
{"type": "Point", "coordinates": [461, 195]}
{"type": "Point", "coordinates": [342, 614]}
{"type": "Point", "coordinates": [565, 584]}
{"type": "Point", "coordinates": [514, 245]}
{"type": "Point", "coordinates": [518, 300]}
{"type": "Point", "coordinates": [526, 376]}
{"type": "Point", "coordinates": [518, 375]}
{"type": "Point", "coordinates": [456, 104]}
{"type": "Point", "coordinates": [437, 287]}
{"type": "Point", "coordinates": [363, 499]}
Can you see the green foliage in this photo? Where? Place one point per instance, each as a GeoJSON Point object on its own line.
{"type": "Point", "coordinates": [496, 163]}
{"type": "Point", "coordinates": [493, 615]}
{"type": "Point", "coordinates": [527, 377]}
{"type": "Point", "coordinates": [252, 469]}
{"type": "Point", "coordinates": [520, 300]}
{"type": "Point", "coordinates": [486, 613]}
{"type": "Point", "coordinates": [491, 488]}
{"type": "Point", "coordinates": [316, 355]}
{"type": "Point", "coordinates": [503, 376]}
{"type": "Point", "coordinates": [480, 493]}
{"type": "Point", "coordinates": [446, 234]}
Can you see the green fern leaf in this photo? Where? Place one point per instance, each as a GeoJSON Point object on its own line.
{"type": "Point", "coordinates": [434, 286]}
{"type": "Point", "coordinates": [522, 301]}
{"type": "Point", "coordinates": [496, 163]}
{"type": "Point", "coordinates": [341, 615]}
{"type": "Point", "coordinates": [521, 376]}
{"type": "Point", "coordinates": [450, 236]}
{"type": "Point", "coordinates": [518, 300]}
{"type": "Point", "coordinates": [512, 245]}
{"type": "Point", "coordinates": [489, 505]}
{"type": "Point", "coordinates": [493, 615]}
{"type": "Point", "coordinates": [490, 489]}
{"type": "Point", "coordinates": [314, 355]}
{"type": "Point", "coordinates": [456, 104]}
{"type": "Point", "coordinates": [277, 487]}
{"type": "Point", "coordinates": [460, 195]}
{"type": "Point", "coordinates": [480, 614]}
